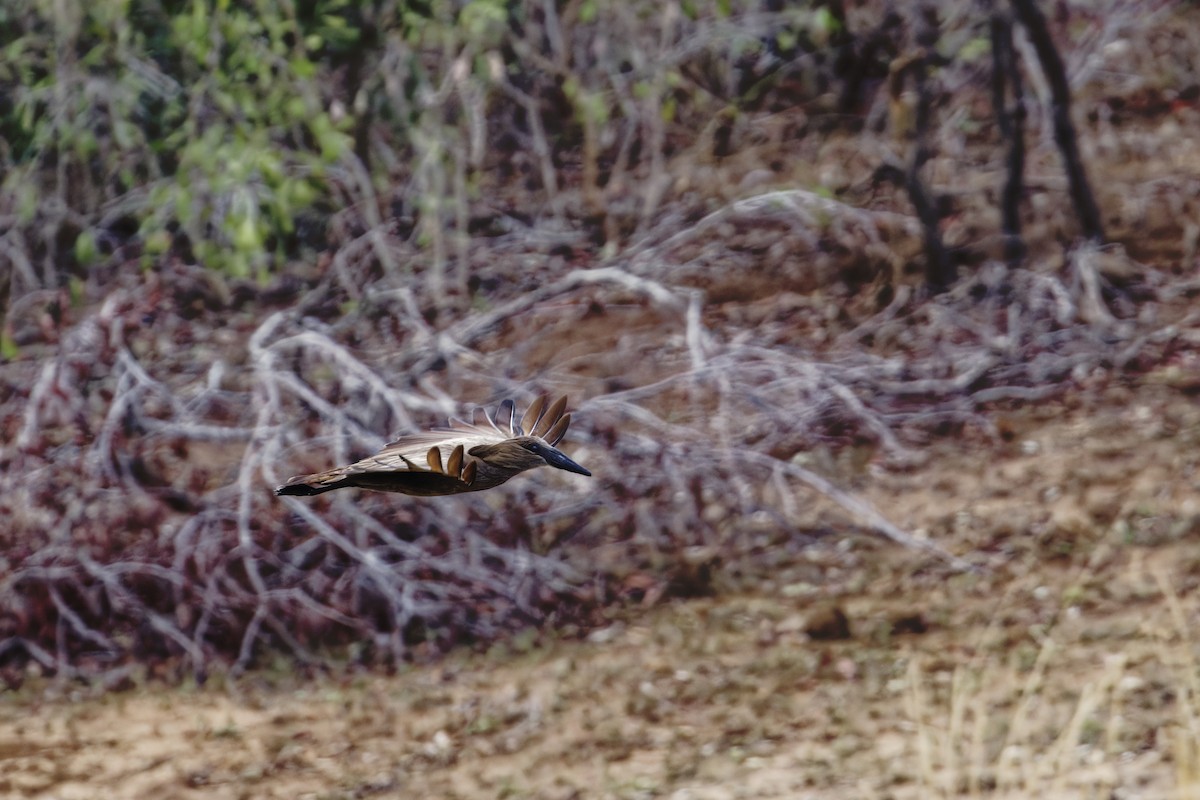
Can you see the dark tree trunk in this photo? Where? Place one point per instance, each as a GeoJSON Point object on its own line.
{"type": "Point", "coordinates": [1064, 129]}
{"type": "Point", "coordinates": [939, 273]}
{"type": "Point", "coordinates": [1011, 121]}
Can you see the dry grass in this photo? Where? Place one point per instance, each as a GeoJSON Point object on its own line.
{"type": "Point", "coordinates": [1071, 723]}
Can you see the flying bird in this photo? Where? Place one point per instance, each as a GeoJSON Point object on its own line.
{"type": "Point", "coordinates": [465, 457]}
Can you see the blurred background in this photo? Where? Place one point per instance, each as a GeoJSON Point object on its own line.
{"type": "Point", "coordinates": [810, 274]}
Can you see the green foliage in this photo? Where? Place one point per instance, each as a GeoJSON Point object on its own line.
{"type": "Point", "coordinates": [825, 24]}
{"type": "Point", "coordinates": [975, 50]}
{"type": "Point", "coordinates": [204, 123]}
{"type": "Point", "coordinates": [206, 129]}
{"type": "Point", "coordinates": [483, 22]}
{"type": "Point", "coordinates": [253, 146]}
{"type": "Point", "coordinates": [8, 348]}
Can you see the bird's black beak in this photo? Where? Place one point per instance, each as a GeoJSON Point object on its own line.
{"type": "Point", "coordinates": [557, 458]}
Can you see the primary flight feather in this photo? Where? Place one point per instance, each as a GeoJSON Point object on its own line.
{"type": "Point", "coordinates": [464, 457]}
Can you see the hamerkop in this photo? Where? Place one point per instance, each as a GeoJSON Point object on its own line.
{"type": "Point", "coordinates": [465, 457]}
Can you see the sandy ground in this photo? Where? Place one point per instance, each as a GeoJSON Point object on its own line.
{"type": "Point", "coordinates": [1064, 668]}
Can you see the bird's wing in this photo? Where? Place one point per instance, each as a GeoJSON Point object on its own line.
{"type": "Point", "coordinates": [414, 448]}
{"type": "Point", "coordinates": [439, 468]}
{"type": "Point", "coordinates": [487, 430]}
{"type": "Point", "coordinates": [437, 461]}
{"type": "Point", "coordinates": [548, 423]}
{"type": "Point", "coordinates": [429, 473]}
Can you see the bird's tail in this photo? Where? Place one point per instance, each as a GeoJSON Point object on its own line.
{"type": "Point", "coordinates": [317, 483]}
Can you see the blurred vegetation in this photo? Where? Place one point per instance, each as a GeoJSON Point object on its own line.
{"type": "Point", "coordinates": [167, 166]}
{"type": "Point", "coordinates": [241, 241]}
{"type": "Point", "coordinates": [228, 133]}
{"type": "Point", "coordinates": [189, 126]}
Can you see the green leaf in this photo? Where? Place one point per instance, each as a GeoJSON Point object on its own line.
{"type": "Point", "coordinates": [975, 49]}
{"type": "Point", "coordinates": [158, 242]}
{"type": "Point", "coordinates": [86, 250]}
{"type": "Point", "coordinates": [669, 109]}
{"type": "Point", "coordinates": [75, 287]}
{"type": "Point", "coordinates": [825, 23]}
{"type": "Point", "coordinates": [246, 236]}
{"type": "Point", "coordinates": [8, 348]}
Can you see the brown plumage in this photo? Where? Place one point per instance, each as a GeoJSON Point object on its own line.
{"type": "Point", "coordinates": [465, 457]}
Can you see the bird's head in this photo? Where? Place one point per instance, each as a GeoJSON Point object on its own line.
{"type": "Point", "coordinates": [525, 452]}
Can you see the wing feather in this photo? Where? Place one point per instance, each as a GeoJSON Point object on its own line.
{"type": "Point", "coordinates": [532, 414]}
{"type": "Point", "coordinates": [415, 446]}
{"type": "Point", "coordinates": [454, 464]}
{"type": "Point", "coordinates": [505, 417]}
{"type": "Point", "coordinates": [552, 415]}
{"type": "Point", "coordinates": [555, 435]}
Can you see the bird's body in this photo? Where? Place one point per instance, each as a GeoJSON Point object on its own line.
{"type": "Point", "coordinates": [465, 457]}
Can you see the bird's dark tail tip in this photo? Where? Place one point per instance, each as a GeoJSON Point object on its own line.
{"type": "Point", "coordinates": [300, 489]}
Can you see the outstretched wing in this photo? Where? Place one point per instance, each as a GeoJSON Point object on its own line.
{"type": "Point", "coordinates": [548, 423]}
{"type": "Point", "coordinates": [434, 476]}
{"type": "Point", "coordinates": [415, 446]}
